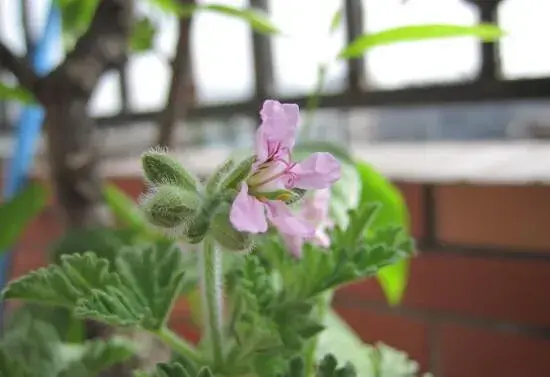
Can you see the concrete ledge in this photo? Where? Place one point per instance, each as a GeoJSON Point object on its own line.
{"type": "Point", "coordinates": [522, 162]}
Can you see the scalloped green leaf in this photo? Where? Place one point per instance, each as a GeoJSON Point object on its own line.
{"type": "Point", "coordinates": [138, 290]}
{"type": "Point", "coordinates": [64, 284]}
{"type": "Point", "coordinates": [157, 274]}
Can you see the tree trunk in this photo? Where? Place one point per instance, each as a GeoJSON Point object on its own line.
{"type": "Point", "coordinates": [74, 163]}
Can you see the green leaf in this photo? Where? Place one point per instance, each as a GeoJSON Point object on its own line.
{"type": "Point", "coordinates": [16, 93]}
{"type": "Point", "coordinates": [178, 370]}
{"type": "Point", "coordinates": [393, 280]}
{"type": "Point", "coordinates": [365, 42]}
{"type": "Point", "coordinates": [10, 366]}
{"type": "Point", "coordinates": [76, 16]}
{"type": "Point", "coordinates": [17, 213]}
{"type": "Point", "coordinates": [124, 208]}
{"type": "Point", "coordinates": [156, 274]}
{"type": "Point", "coordinates": [297, 367]}
{"type": "Point", "coordinates": [336, 20]}
{"type": "Point", "coordinates": [68, 328]}
{"type": "Point", "coordinates": [360, 222]}
{"type": "Point", "coordinates": [143, 35]}
{"type": "Point", "coordinates": [65, 284]}
{"type": "Point", "coordinates": [255, 18]}
{"type": "Point", "coordinates": [36, 344]}
{"type": "Point", "coordinates": [380, 360]}
{"type": "Point", "coordinates": [137, 291]}
{"type": "Point", "coordinates": [98, 355]}
{"type": "Point", "coordinates": [393, 212]}
{"type": "Point", "coordinates": [376, 188]}
{"type": "Point", "coordinates": [173, 6]}
{"type": "Point", "coordinates": [342, 341]}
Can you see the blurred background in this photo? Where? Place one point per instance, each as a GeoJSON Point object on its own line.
{"type": "Point", "coordinates": [231, 67]}
{"type": "Point", "coordinates": [459, 126]}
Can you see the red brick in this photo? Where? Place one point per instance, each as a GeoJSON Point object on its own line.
{"type": "Point", "coordinates": [469, 352]}
{"type": "Point", "coordinates": [400, 332]}
{"type": "Point", "coordinates": [132, 186]}
{"type": "Point", "coordinates": [413, 195]}
{"type": "Point", "coordinates": [31, 251]}
{"type": "Point", "coordinates": [186, 330]}
{"type": "Point", "coordinates": [506, 290]}
{"type": "Point", "coordinates": [510, 216]}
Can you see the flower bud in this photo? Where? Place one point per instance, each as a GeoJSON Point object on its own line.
{"type": "Point", "coordinates": [161, 169]}
{"type": "Point", "coordinates": [198, 225]}
{"type": "Point", "coordinates": [228, 237]}
{"type": "Point", "coordinates": [213, 183]}
{"type": "Point", "coordinates": [239, 173]}
{"type": "Point", "coordinates": [170, 206]}
{"type": "Point", "coordinates": [196, 228]}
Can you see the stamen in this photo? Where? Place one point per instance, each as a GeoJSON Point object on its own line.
{"type": "Point", "coordinates": [286, 171]}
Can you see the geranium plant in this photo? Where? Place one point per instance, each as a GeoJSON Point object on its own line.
{"type": "Point", "coordinates": [255, 238]}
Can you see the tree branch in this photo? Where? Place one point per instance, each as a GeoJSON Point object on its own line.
{"type": "Point", "coordinates": [102, 46]}
{"type": "Point", "coordinates": [19, 68]}
{"type": "Point", "coordinates": [179, 98]}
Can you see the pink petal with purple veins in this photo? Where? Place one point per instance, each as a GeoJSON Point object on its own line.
{"type": "Point", "coordinates": [270, 176]}
{"type": "Point", "coordinates": [279, 126]}
{"type": "Point", "coordinates": [248, 213]}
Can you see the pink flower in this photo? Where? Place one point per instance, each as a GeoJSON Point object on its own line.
{"type": "Point", "coordinates": [261, 198]}
{"type": "Point", "coordinates": [315, 211]}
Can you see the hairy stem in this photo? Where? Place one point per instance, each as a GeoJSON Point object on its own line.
{"type": "Point", "coordinates": [210, 266]}
{"type": "Point", "coordinates": [177, 344]}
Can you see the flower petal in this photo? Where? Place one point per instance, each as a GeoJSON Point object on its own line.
{"type": "Point", "coordinates": [315, 207]}
{"type": "Point", "coordinates": [294, 244]}
{"type": "Point", "coordinates": [268, 177]}
{"type": "Point", "coordinates": [318, 171]}
{"type": "Point", "coordinates": [286, 222]}
{"type": "Point", "coordinates": [248, 213]}
{"type": "Point", "coordinates": [279, 123]}
{"type": "Point", "coordinates": [262, 147]}
{"type": "Point", "coordinates": [321, 238]}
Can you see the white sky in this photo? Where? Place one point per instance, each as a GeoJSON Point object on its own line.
{"type": "Point", "coordinates": [223, 58]}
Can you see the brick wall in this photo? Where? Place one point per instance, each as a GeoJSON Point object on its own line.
{"type": "Point", "coordinates": [477, 303]}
